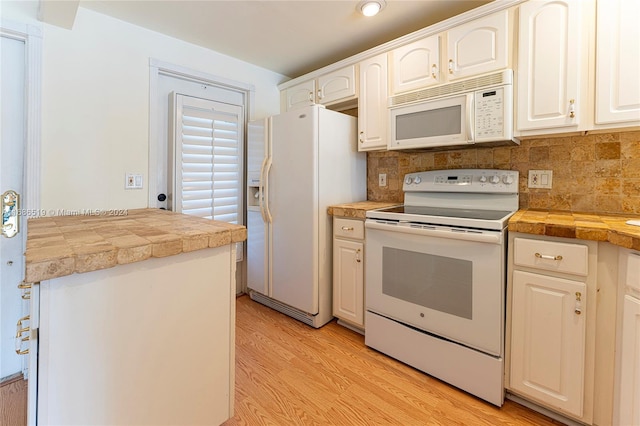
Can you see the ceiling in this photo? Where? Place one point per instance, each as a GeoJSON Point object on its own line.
{"type": "Point", "coordinates": [289, 37]}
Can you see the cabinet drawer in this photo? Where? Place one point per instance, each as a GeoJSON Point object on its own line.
{"type": "Point", "coordinates": [551, 256]}
{"type": "Point", "coordinates": [348, 228]}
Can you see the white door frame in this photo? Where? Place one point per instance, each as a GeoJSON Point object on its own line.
{"type": "Point", "coordinates": [32, 37]}
{"type": "Point", "coordinates": [156, 68]}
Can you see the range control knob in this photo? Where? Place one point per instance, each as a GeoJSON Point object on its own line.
{"type": "Point", "coordinates": [408, 180]}
{"type": "Point", "coordinates": [483, 179]}
{"type": "Point", "coordinates": [507, 179]}
{"type": "Point", "coordinates": [417, 180]}
{"type": "Point", "coordinates": [495, 179]}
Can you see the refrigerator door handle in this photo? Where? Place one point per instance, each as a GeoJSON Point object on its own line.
{"type": "Point", "coordinates": [266, 191]}
{"type": "Point", "coordinates": [261, 188]}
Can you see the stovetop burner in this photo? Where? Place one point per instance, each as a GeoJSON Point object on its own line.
{"type": "Point", "coordinates": [448, 212]}
{"type": "Point", "coordinates": [470, 198]}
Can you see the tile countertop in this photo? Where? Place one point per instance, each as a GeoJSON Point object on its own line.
{"type": "Point", "coordinates": [357, 210]}
{"type": "Point", "coordinates": [62, 245]}
{"type": "Point", "coordinates": [585, 226]}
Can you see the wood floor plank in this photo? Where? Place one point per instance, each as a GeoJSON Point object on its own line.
{"type": "Point", "coordinates": [288, 373]}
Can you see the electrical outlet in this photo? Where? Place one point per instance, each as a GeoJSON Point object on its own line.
{"type": "Point", "coordinates": [540, 179]}
{"type": "Point", "coordinates": [382, 179]}
{"type": "Point", "coordinates": [133, 181]}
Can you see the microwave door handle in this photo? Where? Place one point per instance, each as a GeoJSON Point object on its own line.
{"type": "Point", "coordinates": [470, 118]}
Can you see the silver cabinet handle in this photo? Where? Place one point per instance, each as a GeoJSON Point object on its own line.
{"type": "Point", "coordinates": [548, 256]}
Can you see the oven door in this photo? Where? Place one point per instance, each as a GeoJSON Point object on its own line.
{"type": "Point", "coordinates": [449, 282]}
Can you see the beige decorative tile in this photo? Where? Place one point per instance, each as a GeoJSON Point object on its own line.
{"type": "Point", "coordinates": [585, 169]}
{"type": "Point", "coordinates": [133, 254]}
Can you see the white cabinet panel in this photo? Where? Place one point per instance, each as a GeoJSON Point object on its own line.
{"type": "Point", "coordinates": [348, 271]}
{"type": "Point", "coordinates": [618, 62]}
{"type": "Point", "coordinates": [629, 408]}
{"type": "Point", "coordinates": [551, 256]}
{"type": "Point", "coordinates": [348, 275]}
{"type": "Point", "coordinates": [373, 115]}
{"type": "Point", "coordinates": [478, 47]}
{"type": "Point", "coordinates": [337, 85]}
{"type": "Point", "coordinates": [415, 65]}
{"type": "Point", "coordinates": [300, 95]}
{"type": "Point", "coordinates": [548, 340]}
{"type": "Point", "coordinates": [550, 71]}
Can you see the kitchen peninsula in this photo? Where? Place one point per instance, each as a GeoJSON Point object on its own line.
{"type": "Point", "coordinates": [135, 316]}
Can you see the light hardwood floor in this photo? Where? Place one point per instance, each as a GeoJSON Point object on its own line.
{"type": "Point", "coordinates": [13, 402]}
{"type": "Point", "coordinates": [288, 373]}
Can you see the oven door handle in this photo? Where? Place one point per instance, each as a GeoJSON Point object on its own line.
{"type": "Point", "coordinates": [439, 232]}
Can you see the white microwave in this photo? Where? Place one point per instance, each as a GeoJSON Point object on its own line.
{"type": "Point", "coordinates": [474, 111]}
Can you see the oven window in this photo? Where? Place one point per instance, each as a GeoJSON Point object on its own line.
{"type": "Point", "coordinates": [434, 122]}
{"type": "Point", "coordinates": [435, 282]}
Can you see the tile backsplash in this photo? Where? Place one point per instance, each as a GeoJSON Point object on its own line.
{"type": "Point", "coordinates": [593, 173]}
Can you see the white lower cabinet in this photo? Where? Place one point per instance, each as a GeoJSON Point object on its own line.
{"type": "Point", "coordinates": [551, 323]}
{"type": "Point", "coordinates": [348, 271]}
{"type": "Point", "coordinates": [627, 408]}
{"type": "Point", "coordinates": [548, 339]}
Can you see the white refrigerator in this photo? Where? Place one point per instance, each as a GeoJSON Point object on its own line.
{"type": "Point", "coordinates": [298, 164]}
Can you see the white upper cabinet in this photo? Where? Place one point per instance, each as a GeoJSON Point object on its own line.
{"type": "Point", "coordinates": [337, 85]}
{"type": "Point", "coordinates": [373, 114]}
{"type": "Point", "coordinates": [300, 95]}
{"type": "Point", "coordinates": [618, 62]}
{"type": "Point", "coordinates": [334, 87]}
{"type": "Point", "coordinates": [552, 65]}
{"type": "Point", "coordinates": [415, 65]}
{"type": "Point", "coordinates": [478, 47]}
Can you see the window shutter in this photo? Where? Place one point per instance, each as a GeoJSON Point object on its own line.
{"type": "Point", "coordinates": [208, 159]}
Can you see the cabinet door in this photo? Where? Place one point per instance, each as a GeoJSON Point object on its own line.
{"type": "Point", "coordinates": [548, 340]}
{"type": "Point", "coordinates": [338, 85]}
{"type": "Point", "coordinates": [348, 281]}
{"type": "Point", "coordinates": [372, 104]}
{"type": "Point", "coordinates": [301, 95]}
{"type": "Point", "coordinates": [550, 51]}
{"type": "Point", "coordinates": [629, 409]}
{"type": "Point", "coordinates": [415, 65]}
{"type": "Point", "coordinates": [478, 47]}
{"type": "Point", "coordinates": [618, 62]}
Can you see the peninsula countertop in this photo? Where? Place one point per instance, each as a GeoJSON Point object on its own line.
{"type": "Point", "coordinates": [62, 245]}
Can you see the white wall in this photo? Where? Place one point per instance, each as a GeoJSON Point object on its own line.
{"type": "Point", "coordinates": [95, 111]}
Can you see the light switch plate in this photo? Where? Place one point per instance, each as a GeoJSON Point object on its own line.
{"type": "Point", "coordinates": [133, 181]}
{"type": "Point", "coordinates": [382, 179]}
{"type": "Point", "coordinates": [540, 179]}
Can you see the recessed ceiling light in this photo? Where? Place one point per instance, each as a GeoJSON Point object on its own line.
{"type": "Point", "coordinates": [370, 7]}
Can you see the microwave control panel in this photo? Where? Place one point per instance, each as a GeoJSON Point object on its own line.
{"type": "Point", "coordinates": [489, 113]}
